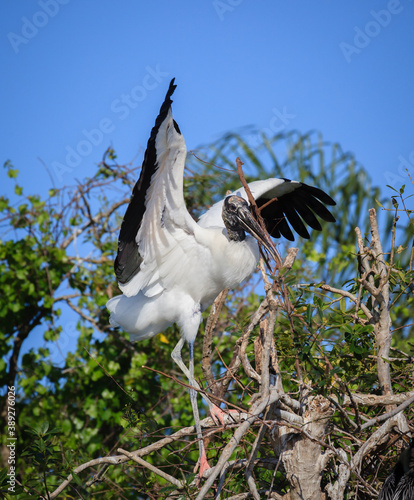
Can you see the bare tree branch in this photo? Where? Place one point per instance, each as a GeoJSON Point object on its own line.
{"type": "Point", "coordinates": [152, 468]}
{"type": "Point", "coordinates": [208, 339]}
{"type": "Point", "coordinates": [256, 410]}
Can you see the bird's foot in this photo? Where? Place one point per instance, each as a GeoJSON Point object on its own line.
{"type": "Point", "coordinates": [203, 466]}
{"type": "Point", "coordinates": [219, 415]}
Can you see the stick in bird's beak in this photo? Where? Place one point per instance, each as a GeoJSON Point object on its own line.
{"type": "Point", "coordinates": [249, 224]}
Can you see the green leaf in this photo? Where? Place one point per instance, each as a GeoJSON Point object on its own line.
{"type": "Point", "coordinates": [43, 427]}
{"type": "Point", "coordinates": [309, 314]}
{"type": "Point", "coordinates": [12, 173]}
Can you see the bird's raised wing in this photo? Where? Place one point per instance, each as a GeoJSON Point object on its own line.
{"type": "Point", "coordinates": [156, 223]}
{"type": "Point", "coordinates": [293, 202]}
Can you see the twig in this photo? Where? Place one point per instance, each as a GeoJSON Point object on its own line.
{"type": "Point", "coordinates": [229, 376]}
{"type": "Point", "coordinates": [211, 164]}
{"type": "Point", "coordinates": [244, 340]}
{"type": "Point", "coordinates": [372, 442]}
{"type": "Point", "coordinates": [252, 202]}
{"type": "Point", "coordinates": [253, 456]}
{"type": "Point", "coordinates": [256, 410]}
{"type": "Point", "coordinates": [389, 414]}
{"type": "Point", "coordinates": [354, 406]}
{"type": "Point", "coordinates": [269, 355]}
{"type": "Point", "coordinates": [188, 386]}
{"type": "Point", "coordinates": [109, 375]}
{"type": "Point", "coordinates": [152, 468]}
{"type": "Point", "coordinates": [221, 482]}
{"type": "Point", "coordinates": [349, 295]}
{"type": "Point", "coordinates": [376, 400]}
{"type": "Point", "coordinates": [343, 412]}
{"type": "Point", "coordinates": [208, 338]}
{"type": "Point", "coordinates": [83, 315]}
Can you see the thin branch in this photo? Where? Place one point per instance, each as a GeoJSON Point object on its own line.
{"type": "Point", "coordinates": [94, 220]}
{"type": "Point", "coordinates": [244, 340]}
{"type": "Point", "coordinates": [83, 315]}
{"type": "Point", "coordinates": [256, 410]}
{"type": "Point", "coordinates": [389, 414]}
{"type": "Point", "coordinates": [349, 295]}
{"type": "Point", "coordinates": [253, 456]}
{"type": "Point", "coordinates": [152, 468]}
{"type": "Point", "coordinates": [378, 400]}
{"type": "Point", "coordinates": [208, 338]}
{"type": "Point", "coordinates": [252, 201]}
{"type": "Point", "coordinates": [202, 393]}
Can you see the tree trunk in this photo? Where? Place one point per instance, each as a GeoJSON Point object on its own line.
{"type": "Point", "coordinates": [304, 460]}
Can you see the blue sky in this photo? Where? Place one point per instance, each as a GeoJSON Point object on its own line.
{"type": "Point", "coordinates": [81, 76]}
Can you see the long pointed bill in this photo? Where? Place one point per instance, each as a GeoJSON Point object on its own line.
{"type": "Point", "coordinates": [249, 224]}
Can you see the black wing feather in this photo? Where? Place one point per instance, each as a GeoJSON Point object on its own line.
{"type": "Point", "coordinates": [298, 207]}
{"type": "Point", "coordinates": [313, 202]}
{"type": "Point", "coordinates": [128, 260]}
{"type": "Point", "coordinates": [307, 215]}
{"type": "Point", "coordinates": [295, 221]}
{"type": "Point", "coordinates": [275, 220]}
{"type": "Point", "coordinates": [318, 193]}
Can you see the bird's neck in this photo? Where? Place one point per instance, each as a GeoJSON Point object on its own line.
{"type": "Point", "coordinates": [406, 461]}
{"type": "Point", "coordinates": [236, 234]}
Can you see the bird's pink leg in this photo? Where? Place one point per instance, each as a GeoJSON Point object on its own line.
{"type": "Point", "coordinates": [203, 464]}
{"type": "Point", "coordinates": [219, 415]}
{"type": "Point", "coordinates": [176, 355]}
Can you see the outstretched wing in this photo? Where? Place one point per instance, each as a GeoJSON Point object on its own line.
{"type": "Point", "coordinates": [294, 204]}
{"type": "Point", "coordinates": [156, 223]}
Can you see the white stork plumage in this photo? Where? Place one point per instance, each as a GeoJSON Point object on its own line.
{"type": "Point", "coordinates": [170, 268]}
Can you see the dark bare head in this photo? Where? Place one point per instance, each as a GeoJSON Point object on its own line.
{"type": "Point", "coordinates": [237, 218]}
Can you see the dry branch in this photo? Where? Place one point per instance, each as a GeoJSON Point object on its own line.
{"type": "Point", "coordinates": [375, 400]}
{"type": "Point", "coordinates": [255, 412]}
{"type": "Point", "coordinates": [152, 468]}
{"type": "Point", "coordinates": [208, 340]}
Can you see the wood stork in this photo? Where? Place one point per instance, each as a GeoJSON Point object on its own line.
{"type": "Point", "coordinates": [170, 268]}
{"type": "Point", "coordinates": [399, 485]}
